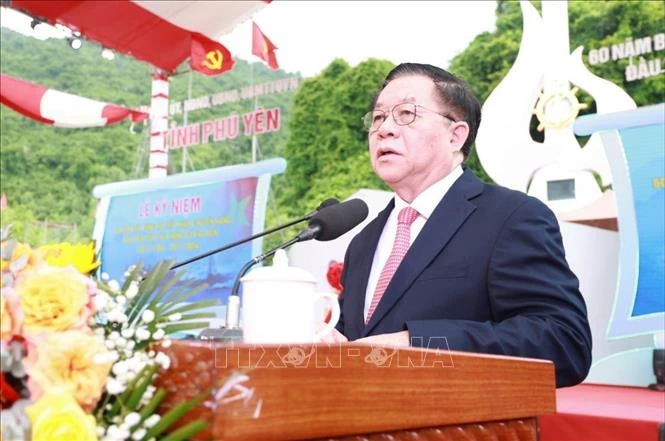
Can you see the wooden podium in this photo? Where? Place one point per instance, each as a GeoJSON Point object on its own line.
{"type": "Point", "coordinates": [358, 392]}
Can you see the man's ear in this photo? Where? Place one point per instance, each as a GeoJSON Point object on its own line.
{"type": "Point", "coordinates": [458, 133]}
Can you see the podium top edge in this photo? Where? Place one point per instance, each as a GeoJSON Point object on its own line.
{"type": "Point", "coordinates": [351, 345]}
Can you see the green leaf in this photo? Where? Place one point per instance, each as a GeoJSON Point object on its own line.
{"type": "Point", "coordinates": [181, 293]}
{"type": "Point", "coordinates": [190, 307]}
{"type": "Point", "coordinates": [151, 407]}
{"type": "Point", "coordinates": [140, 388]}
{"type": "Point", "coordinates": [182, 327]}
{"type": "Point", "coordinates": [133, 275]}
{"type": "Point", "coordinates": [147, 287]}
{"type": "Point", "coordinates": [187, 431]}
{"type": "Point", "coordinates": [182, 297]}
{"type": "Point", "coordinates": [198, 315]}
{"type": "Point", "coordinates": [173, 415]}
{"type": "Point", "coordinates": [121, 399]}
{"type": "Point", "coordinates": [166, 288]}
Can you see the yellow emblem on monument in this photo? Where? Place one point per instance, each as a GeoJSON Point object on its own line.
{"type": "Point", "coordinates": [558, 109]}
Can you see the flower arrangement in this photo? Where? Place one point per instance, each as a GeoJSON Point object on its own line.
{"type": "Point", "coordinates": [334, 274]}
{"type": "Point", "coordinates": [79, 354]}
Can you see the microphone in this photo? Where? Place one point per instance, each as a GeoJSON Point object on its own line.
{"type": "Point", "coordinates": [331, 222]}
{"type": "Point", "coordinates": [327, 203]}
{"type": "Point", "coordinates": [328, 224]}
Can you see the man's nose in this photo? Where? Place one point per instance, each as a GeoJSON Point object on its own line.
{"type": "Point", "coordinates": [388, 128]}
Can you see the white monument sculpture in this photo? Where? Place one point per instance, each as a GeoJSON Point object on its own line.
{"type": "Point", "coordinates": [558, 171]}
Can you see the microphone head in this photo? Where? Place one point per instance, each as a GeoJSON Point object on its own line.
{"type": "Point", "coordinates": [327, 203]}
{"type": "Point", "coordinates": [335, 220]}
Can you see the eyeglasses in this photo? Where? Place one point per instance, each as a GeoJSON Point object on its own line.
{"type": "Point", "coordinates": [403, 114]}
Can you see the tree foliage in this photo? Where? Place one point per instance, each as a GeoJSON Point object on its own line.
{"type": "Point", "coordinates": [326, 152]}
{"type": "Point", "coordinates": [486, 61]}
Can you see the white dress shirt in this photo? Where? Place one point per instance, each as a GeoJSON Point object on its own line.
{"type": "Point", "coordinates": [424, 204]}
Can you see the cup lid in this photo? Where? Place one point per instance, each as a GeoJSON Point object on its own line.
{"type": "Point", "coordinates": [280, 271]}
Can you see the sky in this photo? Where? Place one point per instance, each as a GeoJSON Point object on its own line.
{"type": "Point", "coordinates": [310, 34]}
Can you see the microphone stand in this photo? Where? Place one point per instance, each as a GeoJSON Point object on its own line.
{"type": "Point", "coordinates": [254, 261]}
{"type": "Point", "coordinates": [232, 332]}
{"type": "Point", "coordinates": [241, 241]}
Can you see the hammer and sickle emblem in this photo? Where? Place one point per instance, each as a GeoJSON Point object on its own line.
{"type": "Point", "coordinates": [213, 60]}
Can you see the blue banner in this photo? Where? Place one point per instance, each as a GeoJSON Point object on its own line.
{"type": "Point", "coordinates": [181, 223]}
{"type": "Point", "coordinates": [644, 148]}
{"type": "Point", "coordinates": [182, 216]}
{"type": "Point", "coordinates": [634, 142]}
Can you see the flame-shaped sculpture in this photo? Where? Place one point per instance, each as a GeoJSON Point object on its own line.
{"type": "Point", "coordinates": [609, 98]}
{"type": "Point", "coordinates": [542, 73]}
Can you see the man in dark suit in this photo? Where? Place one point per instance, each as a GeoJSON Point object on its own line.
{"type": "Point", "coordinates": [451, 262]}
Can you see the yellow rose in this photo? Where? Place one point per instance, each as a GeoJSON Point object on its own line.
{"type": "Point", "coordinates": [57, 417]}
{"type": "Point", "coordinates": [10, 322]}
{"type": "Point", "coordinates": [80, 256]}
{"type": "Point", "coordinates": [67, 359]}
{"type": "Point", "coordinates": [55, 300]}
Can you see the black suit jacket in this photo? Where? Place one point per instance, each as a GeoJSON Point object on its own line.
{"type": "Point", "coordinates": [487, 274]}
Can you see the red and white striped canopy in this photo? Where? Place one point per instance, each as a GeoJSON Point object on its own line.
{"type": "Point", "coordinates": [61, 109]}
{"type": "Point", "coordinates": [158, 32]}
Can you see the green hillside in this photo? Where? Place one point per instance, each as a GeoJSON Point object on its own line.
{"type": "Point", "coordinates": [48, 173]}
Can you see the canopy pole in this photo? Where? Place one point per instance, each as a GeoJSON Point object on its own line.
{"type": "Point", "coordinates": [159, 119]}
{"type": "Point", "coordinates": [184, 121]}
{"type": "Point", "coordinates": [254, 140]}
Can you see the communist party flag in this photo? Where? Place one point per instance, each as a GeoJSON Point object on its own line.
{"type": "Point", "coordinates": [263, 48]}
{"type": "Point", "coordinates": [209, 57]}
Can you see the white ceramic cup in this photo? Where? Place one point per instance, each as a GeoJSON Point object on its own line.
{"type": "Point", "coordinates": [280, 306]}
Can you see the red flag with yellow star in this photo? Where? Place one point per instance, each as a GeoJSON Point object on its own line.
{"type": "Point", "coordinates": [209, 57]}
{"type": "Point", "coordinates": [263, 48]}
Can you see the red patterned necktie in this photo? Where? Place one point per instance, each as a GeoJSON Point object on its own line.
{"type": "Point", "coordinates": [404, 220]}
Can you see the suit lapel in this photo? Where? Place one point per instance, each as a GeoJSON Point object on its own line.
{"type": "Point", "coordinates": [356, 318]}
{"type": "Point", "coordinates": [442, 225]}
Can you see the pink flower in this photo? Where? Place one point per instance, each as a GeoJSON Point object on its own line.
{"type": "Point", "coordinates": [68, 359]}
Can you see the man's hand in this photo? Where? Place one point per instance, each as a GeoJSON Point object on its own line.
{"type": "Point", "coordinates": [334, 336]}
{"type": "Point", "coordinates": [399, 339]}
